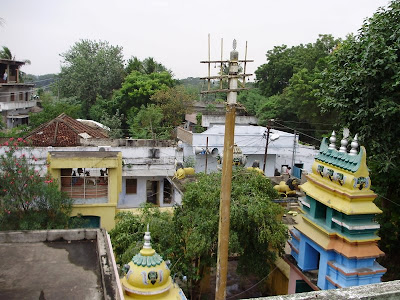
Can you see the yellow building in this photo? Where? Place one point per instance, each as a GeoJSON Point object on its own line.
{"type": "Point", "coordinates": [95, 185]}
{"type": "Point", "coordinates": [148, 276]}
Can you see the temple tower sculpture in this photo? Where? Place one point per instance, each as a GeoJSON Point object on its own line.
{"type": "Point", "coordinates": [148, 276]}
{"type": "Point", "coordinates": [336, 238]}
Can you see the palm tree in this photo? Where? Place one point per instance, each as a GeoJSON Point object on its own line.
{"type": "Point", "coordinates": [5, 53]}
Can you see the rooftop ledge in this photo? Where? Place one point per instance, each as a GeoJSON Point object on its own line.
{"type": "Point", "coordinates": [384, 290]}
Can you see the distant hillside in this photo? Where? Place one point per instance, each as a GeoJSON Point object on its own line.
{"type": "Point", "coordinates": [40, 81]}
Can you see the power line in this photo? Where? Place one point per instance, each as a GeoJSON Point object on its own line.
{"type": "Point", "coordinates": [389, 200]}
{"type": "Point", "coordinates": [298, 122]}
{"type": "Point", "coordinates": [253, 285]}
{"type": "Point", "coordinates": [311, 137]}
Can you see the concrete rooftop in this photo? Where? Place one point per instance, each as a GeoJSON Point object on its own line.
{"type": "Point", "coordinates": [55, 267]}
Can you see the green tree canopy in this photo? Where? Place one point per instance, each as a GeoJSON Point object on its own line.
{"type": "Point", "coordinates": [147, 66]}
{"type": "Point", "coordinates": [53, 108]}
{"type": "Point", "coordinates": [174, 102]}
{"type": "Point", "coordinates": [147, 123]}
{"type": "Point", "coordinates": [282, 62]}
{"type": "Point", "coordinates": [91, 68]}
{"type": "Point", "coordinates": [137, 90]}
{"type": "Point", "coordinates": [189, 238]}
{"type": "Point", "coordinates": [362, 86]}
{"type": "Point", "coordinates": [5, 53]}
{"type": "Point", "coordinates": [289, 87]}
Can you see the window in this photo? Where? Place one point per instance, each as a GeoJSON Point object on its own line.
{"type": "Point", "coordinates": [21, 96]}
{"type": "Point", "coordinates": [131, 186]}
{"type": "Point", "coordinates": [12, 97]}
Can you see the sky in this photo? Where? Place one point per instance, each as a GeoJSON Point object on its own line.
{"type": "Point", "coordinates": [174, 32]}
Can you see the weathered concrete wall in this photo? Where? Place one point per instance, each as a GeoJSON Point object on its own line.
{"type": "Point", "coordinates": [382, 291]}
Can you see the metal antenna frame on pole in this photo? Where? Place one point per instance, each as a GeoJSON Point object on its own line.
{"type": "Point", "coordinates": [226, 180]}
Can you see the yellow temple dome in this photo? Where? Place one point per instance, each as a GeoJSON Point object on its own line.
{"type": "Point", "coordinates": [148, 276]}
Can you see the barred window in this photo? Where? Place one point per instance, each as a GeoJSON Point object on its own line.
{"type": "Point", "coordinates": [131, 186]}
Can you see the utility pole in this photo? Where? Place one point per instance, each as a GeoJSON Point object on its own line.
{"type": "Point", "coordinates": [205, 171]}
{"type": "Point", "coordinates": [266, 144]}
{"type": "Point", "coordinates": [226, 181]}
{"type": "Point", "coordinates": [294, 150]}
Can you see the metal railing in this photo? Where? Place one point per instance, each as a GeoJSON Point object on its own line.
{"type": "Point", "coordinates": [86, 187]}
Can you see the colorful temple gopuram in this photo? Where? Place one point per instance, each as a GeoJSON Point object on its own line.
{"type": "Point", "coordinates": [335, 240]}
{"type": "Point", "coordinates": [148, 276]}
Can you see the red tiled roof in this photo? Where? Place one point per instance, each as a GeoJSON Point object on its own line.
{"type": "Point", "coordinates": [62, 131]}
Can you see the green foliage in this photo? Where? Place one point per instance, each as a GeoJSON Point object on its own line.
{"type": "Point", "coordinates": [113, 122]}
{"type": "Point", "coordinates": [255, 229]}
{"type": "Point", "coordinates": [138, 88]}
{"type": "Point", "coordinates": [5, 53]}
{"type": "Point", "coordinates": [362, 86]}
{"type": "Point", "coordinates": [189, 237]}
{"type": "Point", "coordinates": [91, 68]}
{"type": "Point", "coordinates": [28, 201]}
{"type": "Point", "coordinates": [289, 87]}
{"type": "Point", "coordinates": [273, 77]}
{"type": "Point", "coordinates": [103, 106]}
{"type": "Point", "coordinates": [174, 102]}
{"type": "Point", "coordinates": [189, 162]}
{"type": "Point", "coordinates": [127, 235]}
{"type": "Point", "coordinates": [193, 86]}
{"type": "Point", "coordinates": [252, 100]}
{"type": "Point", "coordinates": [14, 132]}
{"type": "Point", "coordinates": [53, 108]}
{"type": "Point", "coordinates": [147, 123]}
{"type": "Point", "coordinates": [147, 66]}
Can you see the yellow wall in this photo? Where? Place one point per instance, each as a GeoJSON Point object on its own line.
{"type": "Point", "coordinates": [105, 211]}
{"type": "Point", "coordinates": [278, 281]}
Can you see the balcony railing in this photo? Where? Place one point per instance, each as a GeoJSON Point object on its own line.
{"type": "Point", "coordinates": [86, 189]}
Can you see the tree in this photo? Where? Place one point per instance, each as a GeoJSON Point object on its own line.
{"type": "Point", "coordinates": [147, 123]}
{"type": "Point", "coordinates": [91, 68]}
{"type": "Point", "coordinates": [137, 90]}
{"type": "Point", "coordinates": [147, 66]}
{"type": "Point", "coordinates": [362, 85]}
{"type": "Point", "coordinates": [252, 100]}
{"type": "Point", "coordinates": [114, 123]}
{"type": "Point", "coordinates": [189, 238]}
{"type": "Point", "coordinates": [282, 62]}
{"type": "Point", "coordinates": [27, 200]}
{"type": "Point", "coordinates": [5, 53]}
{"type": "Point", "coordinates": [53, 108]}
{"type": "Point", "coordinates": [174, 102]}
{"type": "Point", "coordinates": [290, 84]}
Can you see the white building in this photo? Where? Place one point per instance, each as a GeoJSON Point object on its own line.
{"type": "Point", "coordinates": [147, 168]}
{"type": "Point", "coordinates": [284, 149]}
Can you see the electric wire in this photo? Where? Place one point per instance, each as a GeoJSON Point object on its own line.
{"type": "Point", "coordinates": [388, 200]}
{"type": "Point", "coordinates": [311, 137]}
{"type": "Point", "coordinates": [231, 297]}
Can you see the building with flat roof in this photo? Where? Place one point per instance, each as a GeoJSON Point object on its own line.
{"type": "Point", "coordinates": [16, 97]}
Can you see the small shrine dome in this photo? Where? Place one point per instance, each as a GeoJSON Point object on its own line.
{"type": "Point", "coordinates": [148, 276]}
